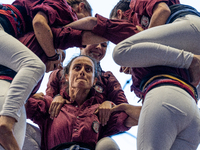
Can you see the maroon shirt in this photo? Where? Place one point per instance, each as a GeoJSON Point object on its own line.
{"type": "Point", "coordinates": [107, 87]}
{"type": "Point", "coordinates": [73, 124]}
{"type": "Point", "coordinates": [59, 13]}
{"type": "Point", "coordinates": [143, 10]}
{"type": "Point", "coordinates": [118, 30]}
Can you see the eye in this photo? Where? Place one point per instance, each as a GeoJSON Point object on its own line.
{"type": "Point", "coordinates": [88, 69]}
{"type": "Point", "coordinates": [104, 44]}
{"type": "Point", "coordinates": [77, 67]}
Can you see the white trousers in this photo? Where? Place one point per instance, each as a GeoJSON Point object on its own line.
{"type": "Point", "coordinates": [20, 126]}
{"type": "Point", "coordinates": [169, 45]}
{"type": "Point", "coordinates": [29, 68]}
{"type": "Point", "coordinates": [169, 120]}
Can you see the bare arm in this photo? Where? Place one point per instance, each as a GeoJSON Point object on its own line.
{"type": "Point", "coordinates": [86, 23]}
{"type": "Point", "coordinates": [131, 110]}
{"type": "Point", "coordinates": [91, 38]}
{"type": "Point", "coordinates": [43, 33]}
{"type": "Point", "coordinates": [161, 12]}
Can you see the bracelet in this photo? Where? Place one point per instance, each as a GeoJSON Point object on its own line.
{"type": "Point", "coordinates": [54, 57]}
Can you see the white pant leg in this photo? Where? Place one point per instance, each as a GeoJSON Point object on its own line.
{"type": "Point", "coordinates": [168, 45]}
{"type": "Point", "coordinates": [20, 126]}
{"type": "Point", "coordinates": [33, 138]}
{"type": "Point", "coordinates": [169, 120]}
{"type": "Point", "coordinates": [29, 70]}
{"type": "Point", "coordinates": [106, 143]}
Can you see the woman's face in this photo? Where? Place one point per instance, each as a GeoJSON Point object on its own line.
{"type": "Point", "coordinates": [81, 73]}
{"type": "Point", "coordinates": [96, 51]}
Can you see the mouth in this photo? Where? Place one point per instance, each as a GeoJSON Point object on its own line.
{"type": "Point", "coordinates": [95, 54]}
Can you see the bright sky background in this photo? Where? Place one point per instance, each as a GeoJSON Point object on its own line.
{"type": "Point", "coordinates": [126, 141]}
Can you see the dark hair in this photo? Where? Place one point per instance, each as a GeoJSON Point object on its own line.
{"type": "Point", "coordinates": [87, 5]}
{"type": "Point", "coordinates": [67, 68]}
{"type": "Point", "coordinates": [122, 5]}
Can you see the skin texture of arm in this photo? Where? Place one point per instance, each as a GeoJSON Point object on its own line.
{"type": "Point", "coordinates": [43, 33]}
{"type": "Point", "coordinates": [131, 110]}
{"type": "Point", "coordinates": [161, 12]}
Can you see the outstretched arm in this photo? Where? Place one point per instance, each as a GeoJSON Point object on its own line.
{"type": "Point", "coordinates": [86, 23]}
{"type": "Point", "coordinates": [131, 110]}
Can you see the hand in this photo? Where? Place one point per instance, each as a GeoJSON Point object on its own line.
{"type": "Point", "coordinates": [131, 110]}
{"type": "Point", "coordinates": [104, 111]}
{"type": "Point", "coordinates": [39, 96]}
{"type": "Point", "coordinates": [139, 28]}
{"type": "Point", "coordinates": [126, 70]}
{"type": "Point", "coordinates": [57, 64]}
{"type": "Point", "coordinates": [56, 106]}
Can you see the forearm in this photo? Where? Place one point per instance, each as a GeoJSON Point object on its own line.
{"type": "Point", "coordinates": [86, 23]}
{"type": "Point", "coordinates": [43, 33]}
{"type": "Point", "coordinates": [90, 38]}
{"type": "Point", "coordinates": [129, 122]}
{"type": "Point", "coordinates": [160, 15]}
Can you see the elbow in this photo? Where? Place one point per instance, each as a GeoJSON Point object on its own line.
{"type": "Point", "coordinates": [118, 53]}
{"type": "Point", "coordinates": [38, 23]}
{"type": "Point", "coordinates": [39, 20]}
{"type": "Point", "coordinates": [163, 9]}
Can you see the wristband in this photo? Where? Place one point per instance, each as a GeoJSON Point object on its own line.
{"type": "Point", "coordinates": [54, 57]}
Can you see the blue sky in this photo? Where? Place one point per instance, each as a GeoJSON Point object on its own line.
{"type": "Point", "coordinates": [127, 140]}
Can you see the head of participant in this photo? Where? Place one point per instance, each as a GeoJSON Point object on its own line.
{"type": "Point", "coordinates": [81, 7]}
{"type": "Point", "coordinates": [96, 51]}
{"type": "Point", "coordinates": [119, 10]}
{"type": "Point", "coordinates": [81, 75]}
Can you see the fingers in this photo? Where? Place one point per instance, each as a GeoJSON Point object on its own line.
{"type": "Point", "coordinates": [104, 117]}
{"type": "Point", "coordinates": [139, 28]}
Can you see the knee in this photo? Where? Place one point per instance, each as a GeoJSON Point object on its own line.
{"type": "Point", "coordinates": [107, 143]}
{"type": "Point", "coordinates": [117, 53]}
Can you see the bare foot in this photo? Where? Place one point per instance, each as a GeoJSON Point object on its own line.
{"type": "Point", "coordinates": [7, 139]}
{"type": "Point", "coordinates": [194, 70]}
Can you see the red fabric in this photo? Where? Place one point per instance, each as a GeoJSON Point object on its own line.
{"type": "Point", "coordinates": [139, 73]}
{"type": "Point", "coordinates": [59, 13]}
{"type": "Point", "coordinates": [145, 8]}
{"type": "Point", "coordinates": [172, 82]}
{"type": "Point", "coordinates": [67, 127]}
{"type": "Point", "coordinates": [114, 30]}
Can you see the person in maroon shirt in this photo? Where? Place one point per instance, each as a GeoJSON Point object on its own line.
{"type": "Point", "coordinates": [46, 17]}
{"type": "Point", "coordinates": [130, 25]}
{"type": "Point", "coordinates": [107, 87]}
{"type": "Point", "coordinates": [77, 121]}
{"type": "Point", "coordinates": [164, 90]}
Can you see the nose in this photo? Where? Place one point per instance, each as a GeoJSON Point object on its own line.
{"type": "Point", "coordinates": [99, 46]}
{"type": "Point", "coordinates": [82, 71]}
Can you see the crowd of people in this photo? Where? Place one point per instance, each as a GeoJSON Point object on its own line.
{"type": "Point", "coordinates": [156, 42]}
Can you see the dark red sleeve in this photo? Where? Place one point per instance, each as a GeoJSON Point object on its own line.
{"type": "Point", "coordinates": [54, 83]}
{"type": "Point", "coordinates": [66, 37]}
{"type": "Point", "coordinates": [115, 124]}
{"type": "Point", "coordinates": [58, 12]}
{"type": "Point", "coordinates": [145, 7]}
{"type": "Point", "coordinates": [113, 89]}
{"type": "Point", "coordinates": [37, 110]}
{"type": "Point", "coordinates": [114, 30]}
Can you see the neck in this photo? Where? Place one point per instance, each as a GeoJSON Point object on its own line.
{"type": "Point", "coordinates": [78, 95]}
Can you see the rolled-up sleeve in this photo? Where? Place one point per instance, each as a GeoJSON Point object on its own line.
{"type": "Point", "coordinates": [37, 110]}
{"type": "Point", "coordinates": [66, 37]}
{"type": "Point", "coordinates": [114, 30]}
{"type": "Point", "coordinates": [115, 124]}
